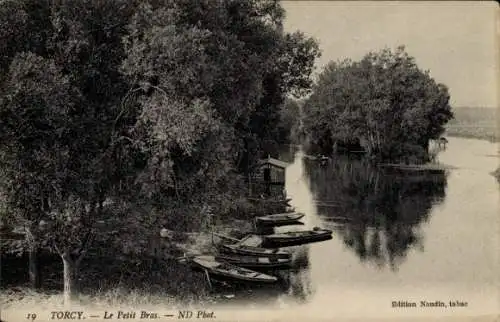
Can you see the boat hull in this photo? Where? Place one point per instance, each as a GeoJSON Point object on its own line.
{"type": "Point", "coordinates": [279, 219]}
{"type": "Point", "coordinates": [231, 279]}
{"type": "Point", "coordinates": [290, 239]}
{"type": "Point", "coordinates": [254, 251]}
{"type": "Point", "coordinates": [272, 201]}
{"type": "Point", "coordinates": [231, 272]}
{"type": "Point", "coordinates": [278, 222]}
{"type": "Point", "coordinates": [256, 262]}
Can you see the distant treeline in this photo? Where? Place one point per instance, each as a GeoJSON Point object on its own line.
{"type": "Point", "coordinates": [475, 122]}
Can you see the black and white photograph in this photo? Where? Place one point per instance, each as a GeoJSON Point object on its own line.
{"type": "Point", "coordinates": [249, 160]}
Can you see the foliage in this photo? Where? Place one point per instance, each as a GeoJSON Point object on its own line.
{"type": "Point", "coordinates": [232, 55]}
{"type": "Point", "coordinates": [272, 121]}
{"type": "Point", "coordinates": [290, 121]}
{"type": "Point", "coordinates": [149, 105]}
{"type": "Point", "coordinates": [62, 152]}
{"type": "Point", "coordinates": [383, 102]}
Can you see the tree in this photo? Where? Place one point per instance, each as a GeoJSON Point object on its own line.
{"type": "Point", "coordinates": [133, 102]}
{"type": "Point", "coordinates": [232, 54]}
{"type": "Point", "coordinates": [383, 102]}
{"type": "Point", "coordinates": [289, 79]}
{"type": "Point", "coordinates": [62, 153]}
{"type": "Point", "coordinates": [289, 121]}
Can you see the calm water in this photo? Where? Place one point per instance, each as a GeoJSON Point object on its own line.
{"type": "Point", "coordinates": [396, 236]}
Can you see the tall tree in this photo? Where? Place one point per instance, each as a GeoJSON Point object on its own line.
{"type": "Point", "coordinates": [132, 102]}
{"type": "Point", "coordinates": [238, 60]}
{"type": "Point", "coordinates": [384, 102]}
{"type": "Point", "coordinates": [60, 136]}
{"type": "Point", "coordinates": [289, 78]}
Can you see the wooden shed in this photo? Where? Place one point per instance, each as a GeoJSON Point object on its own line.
{"type": "Point", "coordinates": [269, 178]}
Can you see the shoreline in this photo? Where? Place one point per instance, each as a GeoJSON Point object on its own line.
{"type": "Point", "coordinates": [191, 243]}
{"type": "Point", "coordinates": [491, 139]}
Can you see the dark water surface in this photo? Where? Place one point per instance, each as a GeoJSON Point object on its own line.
{"type": "Point", "coordinates": [397, 235]}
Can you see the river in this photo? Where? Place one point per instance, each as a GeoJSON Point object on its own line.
{"type": "Point", "coordinates": [397, 236]}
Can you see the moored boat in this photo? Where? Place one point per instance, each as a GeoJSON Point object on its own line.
{"type": "Point", "coordinates": [280, 219]}
{"type": "Point", "coordinates": [271, 200]}
{"type": "Point", "coordinates": [252, 240]}
{"type": "Point", "coordinates": [299, 237]}
{"type": "Point", "coordinates": [224, 270]}
{"type": "Point", "coordinates": [254, 251]}
{"type": "Point", "coordinates": [254, 261]}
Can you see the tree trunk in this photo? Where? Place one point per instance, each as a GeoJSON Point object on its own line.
{"type": "Point", "coordinates": [34, 267]}
{"type": "Point", "coordinates": [70, 277]}
{"type": "Point", "coordinates": [425, 145]}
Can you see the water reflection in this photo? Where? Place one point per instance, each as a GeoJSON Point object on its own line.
{"type": "Point", "coordinates": [382, 216]}
{"type": "Point", "coordinates": [295, 281]}
{"type": "Point", "coordinates": [376, 211]}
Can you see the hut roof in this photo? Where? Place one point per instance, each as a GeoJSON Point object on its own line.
{"type": "Point", "coordinates": [274, 162]}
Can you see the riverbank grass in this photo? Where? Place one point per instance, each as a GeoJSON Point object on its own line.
{"type": "Point", "coordinates": [128, 282]}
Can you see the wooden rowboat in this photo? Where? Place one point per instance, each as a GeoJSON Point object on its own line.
{"type": "Point", "coordinates": [224, 270]}
{"type": "Point", "coordinates": [280, 219]}
{"type": "Point", "coordinates": [271, 200]}
{"type": "Point", "coordinates": [255, 261]}
{"type": "Point", "coordinates": [299, 237]}
{"type": "Point", "coordinates": [254, 251]}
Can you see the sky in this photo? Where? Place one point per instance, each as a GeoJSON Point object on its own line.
{"type": "Point", "coordinates": [455, 41]}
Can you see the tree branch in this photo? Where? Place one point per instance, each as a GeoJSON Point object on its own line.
{"type": "Point", "coordinates": [57, 249]}
{"type": "Point", "coordinates": [122, 111]}
{"type": "Point", "coordinates": [108, 28]}
{"type": "Point", "coordinates": [86, 245]}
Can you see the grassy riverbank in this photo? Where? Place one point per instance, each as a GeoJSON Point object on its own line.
{"type": "Point", "coordinates": [114, 276]}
